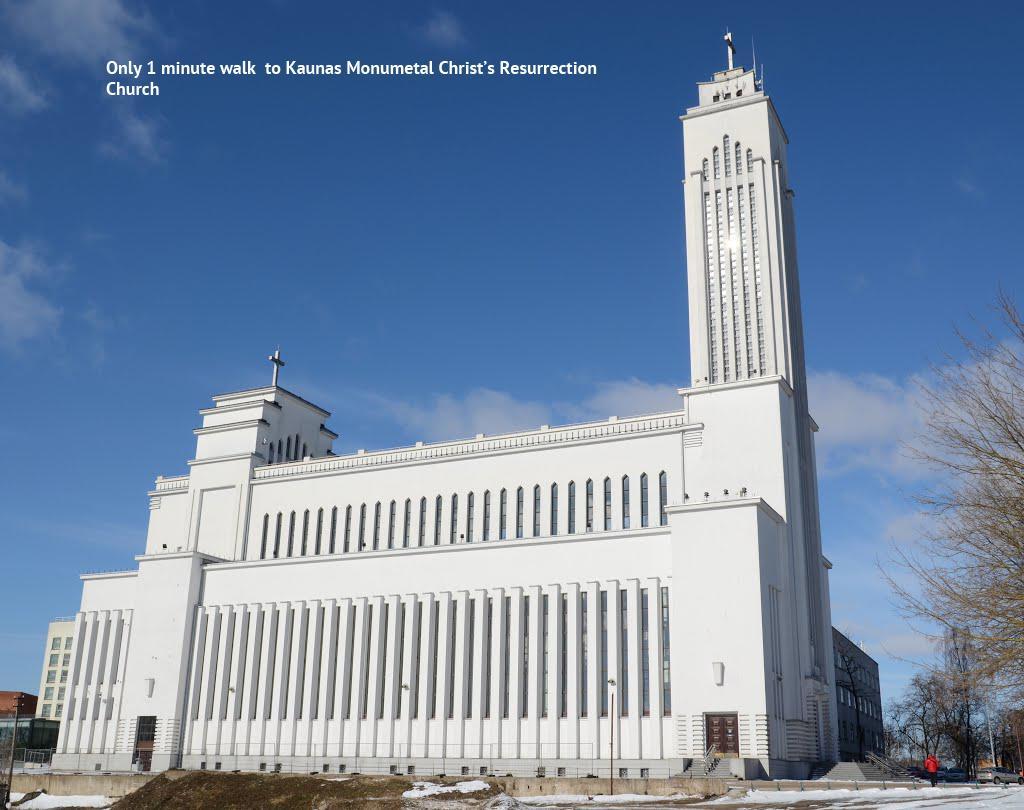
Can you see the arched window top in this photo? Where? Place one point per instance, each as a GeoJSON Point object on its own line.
{"type": "Point", "coordinates": [750, 160]}
{"type": "Point", "coordinates": [288, 448]}
{"type": "Point", "coordinates": [739, 158]}
{"type": "Point", "coordinates": [270, 460]}
{"type": "Point", "coordinates": [704, 169]}
{"type": "Point", "coordinates": [716, 162]}
{"type": "Point", "coordinates": [727, 155]}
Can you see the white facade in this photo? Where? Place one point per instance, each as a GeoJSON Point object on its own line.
{"type": "Point", "coordinates": [502, 601]}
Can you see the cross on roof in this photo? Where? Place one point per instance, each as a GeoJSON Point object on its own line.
{"type": "Point", "coordinates": [275, 358]}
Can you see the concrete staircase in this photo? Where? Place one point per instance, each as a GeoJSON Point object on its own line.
{"type": "Point", "coordinates": [710, 768]}
{"type": "Point", "coordinates": [849, 772]}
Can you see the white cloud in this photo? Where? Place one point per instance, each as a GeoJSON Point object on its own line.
{"type": "Point", "coordinates": [483, 410]}
{"type": "Point", "coordinates": [137, 138]}
{"type": "Point", "coordinates": [25, 312]}
{"type": "Point", "coordinates": [18, 93]}
{"type": "Point", "coordinates": [480, 411]}
{"type": "Point", "coordinates": [442, 29]}
{"type": "Point", "coordinates": [85, 31]}
{"type": "Point", "coordinates": [11, 191]}
{"type": "Point", "coordinates": [864, 420]}
{"type": "Point", "coordinates": [624, 398]}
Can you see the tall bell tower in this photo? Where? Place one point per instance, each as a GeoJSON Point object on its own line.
{"type": "Point", "coordinates": [749, 392]}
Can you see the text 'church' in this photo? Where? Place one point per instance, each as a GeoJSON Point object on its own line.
{"type": "Point", "coordinates": [648, 588]}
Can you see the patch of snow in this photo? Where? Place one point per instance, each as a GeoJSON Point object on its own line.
{"type": "Point", "coordinates": [421, 789]}
{"type": "Point", "coordinates": [575, 800]}
{"type": "Point", "coordinates": [949, 798]}
{"type": "Point", "coordinates": [45, 801]}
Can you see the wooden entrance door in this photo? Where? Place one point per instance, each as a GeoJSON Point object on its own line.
{"type": "Point", "coordinates": [722, 731]}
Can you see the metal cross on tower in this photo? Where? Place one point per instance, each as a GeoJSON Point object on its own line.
{"type": "Point", "coordinates": [275, 358]}
{"type": "Point", "coordinates": [730, 48]}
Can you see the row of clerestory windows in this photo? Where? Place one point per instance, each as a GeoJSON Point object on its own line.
{"type": "Point", "coordinates": [727, 154]}
{"type": "Point", "coordinates": [287, 449]}
{"type": "Point", "coordinates": [362, 527]}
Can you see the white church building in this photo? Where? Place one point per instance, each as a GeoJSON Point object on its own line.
{"type": "Point", "coordinates": [644, 594]}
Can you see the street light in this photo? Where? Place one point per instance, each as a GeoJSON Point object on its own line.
{"type": "Point", "coordinates": [611, 740]}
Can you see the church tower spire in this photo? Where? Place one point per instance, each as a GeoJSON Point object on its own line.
{"type": "Point", "coordinates": [741, 256]}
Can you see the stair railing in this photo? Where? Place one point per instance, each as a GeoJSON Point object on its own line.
{"type": "Point", "coordinates": [887, 765]}
{"type": "Point", "coordinates": [710, 763]}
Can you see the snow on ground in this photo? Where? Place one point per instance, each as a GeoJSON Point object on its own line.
{"type": "Point", "coordinates": [948, 798]}
{"type": "Point", "coordinates": [421, 789]}
{"type": "Point", "coordinates": [45, 801]}
{"type": "Point", "coordinates": [599, 801]}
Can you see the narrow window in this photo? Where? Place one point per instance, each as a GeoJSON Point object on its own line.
{"type": "Point", "coordinates": [291, 534]}
{"type": "Point", "coordinates": [263, 543]}
{"type": "Point", "coordinates": [590, 505]}
{"type": "Point", "coordinates": [644, 514]}
{"type": "Point", "coordinates": [454, 520]}
{"type": "Point", "coordinates": [319, 530]}
{"type": "Point", "coordinates": [607, 504]}
{"type": "Point", "coordinates": [645, 657]}
{"type": "Point", "coordinates": [348, 528]}
{"type": "Point", "coordinates": [554, 509]}
{"type": "Point", "coordinates": [739, 157]}
{"type": "Point", "coordinates": [584, 677]}
{"type": "Point", "coordinates": [726, 154]}
{"type": "Point", "coordinates": [376, 526]}
{"type": "Point", "coordinates": [438, 503]}
{"type": "Point", "coordinates": [704, 169]}
{"type": "Point", "coordinates": [288, 448]}
{"type": "Point", "coordinates": [750, 160]}
{"type": "Point", "coordinates": [502, 515]}
{"type": "Point", "coordinates": [714, 160]}
{"type": "Point", "coordinates": [536, 510]}
{"type": "Point", "coordinates": [623, 656]}
{"type": "Point", "coordinates": [406, 523]}
{"type": "Point", "coordinates": [364, 698]}
{"type": "Point", "coordinates": [362, 527]}
{"type": "Point", "coordinates": [470, 631]}
{"type": "Point", "coordinates": [469, 517]}
{"type": "Point", "coordinates": [519, 512]}
{"type": "Point", "coordinates": [433, 668]}
{"type": "Point", "coordinates": [663, 498]}
{"type": "Point", "coordinates": [666, 669]}
{"type": "Point", "coordinates": [452, 624]}
{"type": "Point", "coordinates": [280, 452]}
{"type": "Point", "coordinates": [604, 654]}
{"type": "Point", "coordinates": [487, 642]}
{"type": "Point", "coordinates": [392, 514]}
{"type": "Point", "coordinates": [384, 662]}
{"type": "Point", "coordinates": [487, 514]}
{"type": "Point", "coordinates": [304, 453]}
{"type": "Point", "coordinates": [572, 507]}
{"type": "Point", "coordinates": [544, 615]}
{"type": "Point", "coordinates": [423, 521]}
{"type": "Point", "coordinates": [416, 663]}
{"type": "Point", "coordinates": [524, 675]}
{"type": "Point", "coordinates": [401, 659]}
{"type": "Point", "coordinates": [271, 458]}
{"type": "Point", "coordinates": [625, 502]}
{"type": "Point", "coordinates": [563, 657]}
{"type": "Point", "coordinates": [506, 654]}
{"type": "Point", "coordinates": [305, 532]}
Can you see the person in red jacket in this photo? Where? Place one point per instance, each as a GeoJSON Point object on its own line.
{"type": "Point", "coordinates": [931, 764]}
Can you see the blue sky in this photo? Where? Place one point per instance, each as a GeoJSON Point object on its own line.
{"type": "Point", "coordinates": [439, 257]}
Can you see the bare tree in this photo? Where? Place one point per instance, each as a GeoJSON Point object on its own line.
{"type": "Point", "coordinates": [968, 573]}
{"type": "Point", "coordinates": [914, 721]}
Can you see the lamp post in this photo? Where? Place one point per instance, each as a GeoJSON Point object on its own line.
{"type": "Point", "coordinates": [611, 739]}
